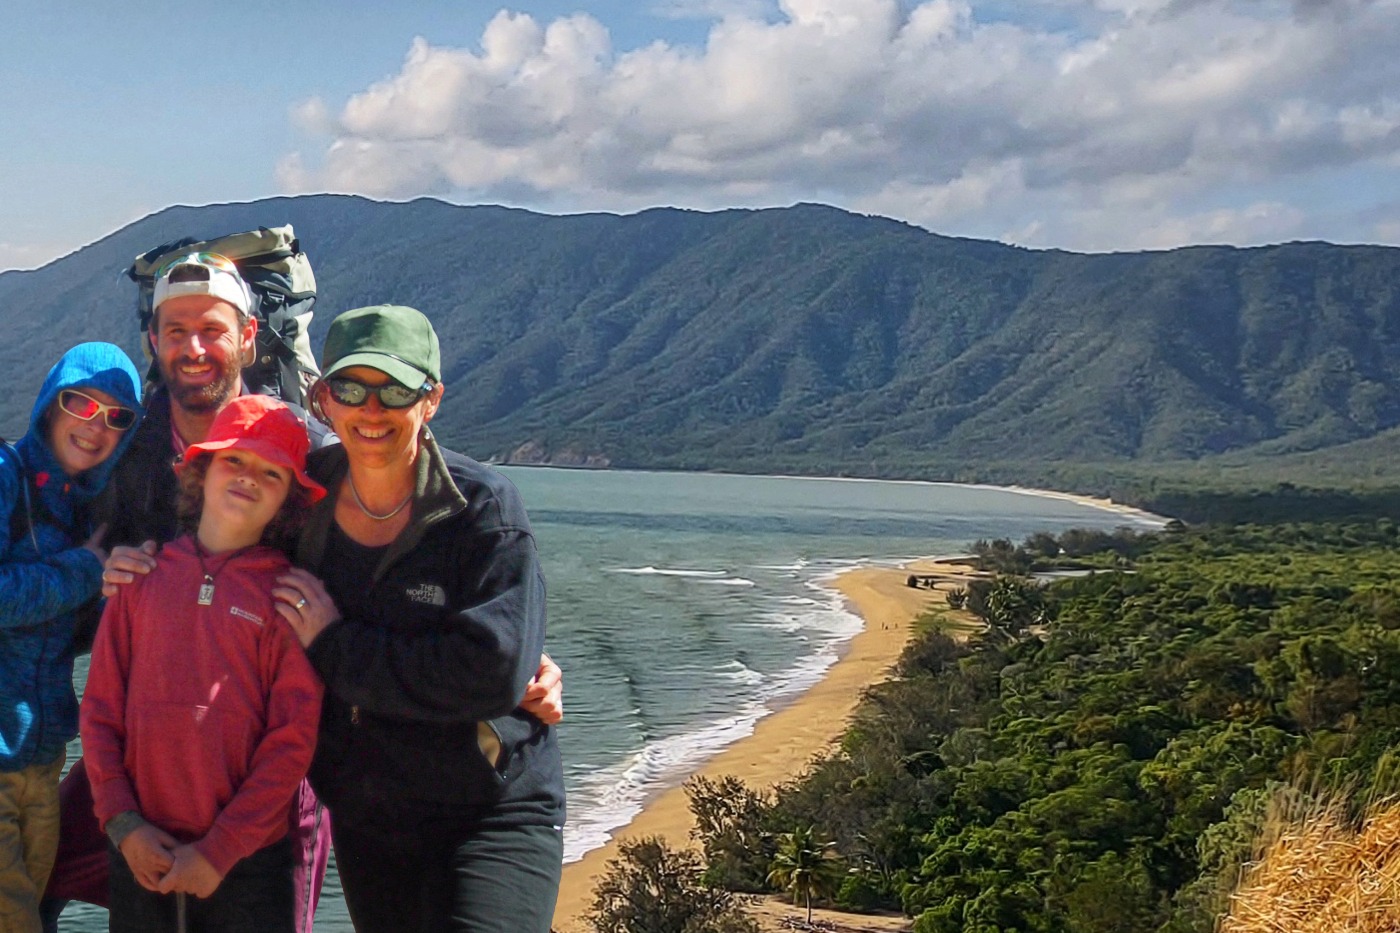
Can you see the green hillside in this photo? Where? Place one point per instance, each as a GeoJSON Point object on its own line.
{"type": "Point", "coordinates": [1101, 755]}
{"type": "Point", "coordinates": [812, 340]}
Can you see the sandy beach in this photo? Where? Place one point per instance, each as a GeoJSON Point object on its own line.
{"type": "Point", "coordinates": [1098, 502]}
{"type": "Point", "coordinates": [784, 742]}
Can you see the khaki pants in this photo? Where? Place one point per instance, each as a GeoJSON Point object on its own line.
{"type": "Point", "coordinates": [28, 842]}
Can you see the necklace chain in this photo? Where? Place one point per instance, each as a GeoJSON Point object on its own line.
{"type": "Point", "coordinates": [206, 589]}
{"type": "Point", "coordinates": [355, 494]}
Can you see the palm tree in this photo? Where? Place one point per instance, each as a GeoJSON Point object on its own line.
{"type": "Point", "coordinates": [805, 865]}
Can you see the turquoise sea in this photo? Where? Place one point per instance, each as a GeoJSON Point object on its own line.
{"type": "Point", "coordinates": [685, 606]}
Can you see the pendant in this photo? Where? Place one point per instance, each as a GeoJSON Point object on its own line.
{"type": "Point", "coordinates": [206, 591]}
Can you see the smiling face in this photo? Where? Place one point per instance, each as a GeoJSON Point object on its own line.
{"type": "Point", "coordinates": [375, 436]}
{"type": "Point", "coordinates": [200, 346]}
{"type": "Point", "coordinates": [80, 445]}
{"type": "Point", "coordinates": [242, 493]}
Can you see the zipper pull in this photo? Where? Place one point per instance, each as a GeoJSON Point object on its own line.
{"type": "Point", "coordinates": [354, 715]}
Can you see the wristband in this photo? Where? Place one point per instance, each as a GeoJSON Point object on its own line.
{"type": "Point", "coordinates": [122, 825]}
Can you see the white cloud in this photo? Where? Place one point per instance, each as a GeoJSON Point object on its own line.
{"type": "Point", "coordinates": [1363, 125]}
{"type": "Point", "coordinates": [313, 117]}
{"type": "Point", "coordinates": [1066, 222]}
{"type": "Point", "coordinates": [1256, 223]}
{"type": "Point", "coordinates": [710, 9]}
{"type": "Point", "coordinates": [969, 194]}
{"type": "Point", "coordinates": [292, 175]}
{"type": "Point", "coordinates": [924, 113]}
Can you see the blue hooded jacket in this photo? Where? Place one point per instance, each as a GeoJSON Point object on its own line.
{"type": "Point", "coordinates": [45, 575]}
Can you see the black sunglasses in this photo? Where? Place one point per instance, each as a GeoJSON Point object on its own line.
{"type": "Point", "coordinates": [85, 408]}
{"type": "Point", "coordinates": [391, 395]}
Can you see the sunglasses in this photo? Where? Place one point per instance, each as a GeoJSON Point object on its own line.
{"type": "Point", "coordinates": [85, 408]}
{"type": "Point", "coordinates": [353, 394]}
{"type": "Point", "coordinates": [214, 260]}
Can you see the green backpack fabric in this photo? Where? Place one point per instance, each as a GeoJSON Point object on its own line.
{"type": "Point", "coordinates": [278, 273]}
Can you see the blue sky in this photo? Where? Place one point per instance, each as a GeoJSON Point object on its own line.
{"type": "Point", "coordinates": [1079, 124]}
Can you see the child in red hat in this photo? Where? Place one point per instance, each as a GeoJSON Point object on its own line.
{"type": "Point", "coordinates": [200, 714]}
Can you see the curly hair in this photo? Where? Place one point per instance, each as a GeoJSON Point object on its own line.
{"type": "Point", "coordinates": [280, 533]}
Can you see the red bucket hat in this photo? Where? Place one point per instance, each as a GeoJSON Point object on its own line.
{"type": "Point", "coordinates": [264, 426]}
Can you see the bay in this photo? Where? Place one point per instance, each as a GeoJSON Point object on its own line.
{"type": "Point", "coordinates": [685, 606]}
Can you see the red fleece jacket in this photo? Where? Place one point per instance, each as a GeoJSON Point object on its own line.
{"type": "Point", "coordinates": [201, 718]}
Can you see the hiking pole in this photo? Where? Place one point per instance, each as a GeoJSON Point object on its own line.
{"type": "Point", "coordinates": [181, 920]}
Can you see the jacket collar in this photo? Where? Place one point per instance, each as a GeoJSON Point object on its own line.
{"type": "Point", "coordinates": [436, 498]}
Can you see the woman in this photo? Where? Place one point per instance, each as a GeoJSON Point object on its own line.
{"type": "Point", "coordinates": [446, 798]}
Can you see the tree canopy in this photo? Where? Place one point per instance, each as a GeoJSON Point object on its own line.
{"type": "Point", "coordinates": [1106, 769]}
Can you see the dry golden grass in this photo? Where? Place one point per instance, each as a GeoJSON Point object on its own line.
{"type": "Point", "coordinates": [1318, 871]}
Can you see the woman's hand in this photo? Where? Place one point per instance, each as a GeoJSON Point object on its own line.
{"type": "Point", "coordinates": [544, 696]}
{"type": "Point", "coordinates": [124, 563]}
{"type": "Point", "coordinates": [302, 600]}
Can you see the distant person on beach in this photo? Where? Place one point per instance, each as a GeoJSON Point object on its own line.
{"type": "Point", "coordinates": [447, 795]}
{"type": "Point", "coordinates": [201, 335]}
{"type": "Point", "coordinates": [50, 567]}
{"type": "Point", "coordinates": [200, 713]}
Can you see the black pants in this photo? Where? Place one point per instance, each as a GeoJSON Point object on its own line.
{"type": "Point", "coordinates": [256, 896]}
{"type": "Point", "coordinates": [436, 876]}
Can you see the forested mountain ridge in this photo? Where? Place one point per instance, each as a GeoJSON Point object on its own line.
{"type": "Point", "coordinates": [809, 339]}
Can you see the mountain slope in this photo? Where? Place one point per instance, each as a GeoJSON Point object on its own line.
{"type": "Point", "coordinates": [812, 339]}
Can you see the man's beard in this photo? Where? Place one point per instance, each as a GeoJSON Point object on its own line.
{"type": "Point", "coordinates": [205, 398]}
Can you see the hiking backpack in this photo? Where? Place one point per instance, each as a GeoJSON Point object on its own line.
{"type": "Point", "coordinates": [279, 275]}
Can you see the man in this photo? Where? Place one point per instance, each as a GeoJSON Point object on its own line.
{"type": "Point", "coordinates": [202, 334]}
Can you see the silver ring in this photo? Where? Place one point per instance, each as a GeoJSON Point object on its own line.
{"type": "Point", "coordinates": [300, 604]}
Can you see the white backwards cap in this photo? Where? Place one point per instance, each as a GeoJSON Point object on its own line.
{"type": "Point", "coordinates": [203, 274]}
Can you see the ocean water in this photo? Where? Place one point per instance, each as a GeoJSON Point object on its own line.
{"type": "Point", "coordinates": [684, 606]}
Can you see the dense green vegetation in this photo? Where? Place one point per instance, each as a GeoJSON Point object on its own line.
{"type": "Point", "coordinates": [652, 888]}
{"type": "Point", "coordinates": [1100, 760]}
{"type": "Point", "coordinates": [811, 340]}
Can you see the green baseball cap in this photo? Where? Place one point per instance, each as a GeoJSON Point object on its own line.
{"type": "Point", "coordinates": [397, 341]}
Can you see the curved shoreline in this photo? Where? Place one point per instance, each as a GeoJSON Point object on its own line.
{"type": "Point", "coordinates": [785, 741]}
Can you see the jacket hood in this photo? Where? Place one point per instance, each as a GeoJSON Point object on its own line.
{"type": "Point", "coordinates": [101, 366]}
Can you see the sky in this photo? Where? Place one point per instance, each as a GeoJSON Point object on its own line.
{"type": "Point", "coordinates": [1088, 125]}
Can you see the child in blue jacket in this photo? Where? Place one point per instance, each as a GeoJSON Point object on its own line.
{"type": "Point", "coordinates": [50, 566]}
